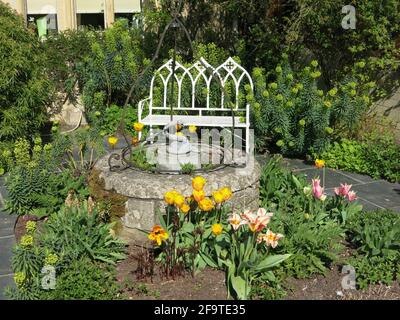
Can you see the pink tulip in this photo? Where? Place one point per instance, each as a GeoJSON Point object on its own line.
{"type": "Point", "coordinates": [318, 191]}
{"type": "Point", "coordinates": [351, 196]}
{"type": "Point", "coordinates": [343, 190]}
{"type": "Point", "coordinates": [337, 191]}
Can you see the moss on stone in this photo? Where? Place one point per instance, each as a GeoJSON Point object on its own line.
{"type": "Point", "coordinates": [115, 201]}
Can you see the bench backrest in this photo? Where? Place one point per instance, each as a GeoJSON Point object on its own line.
{"type": "Point", "coordinates": [201, 74]}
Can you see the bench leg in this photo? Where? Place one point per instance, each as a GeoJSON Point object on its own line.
{"type": "Point", "coordinates": [247, 140]}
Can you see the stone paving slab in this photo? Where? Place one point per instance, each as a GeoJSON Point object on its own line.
{"type": "Point", "coordinates": [7, 223]}
{"type": "Point", "coordinates": [5, 281]}
{"type": "Point", "coordinates": [6, 229]}
{"type": "Point", "coordinates": [360, 178]}
{"type": "Point", "coordinates": [397, 209]}
{"type": "Point", "coordinates": [6, 244]}
{"type": "Point", "coordinates": [382, 193]}
{"type": "Point", "coordinates": [332, 178]}
{"type": "Point", "coordinates": [7, 241]}
{"type": "Point", "coordinates": [373, 194]}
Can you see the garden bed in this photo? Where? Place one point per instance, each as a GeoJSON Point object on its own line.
{"type": "Point", "coordinates": [209, 284]}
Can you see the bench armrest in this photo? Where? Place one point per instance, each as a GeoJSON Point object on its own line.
{"type": "Point", "coordinates": [140, 108]}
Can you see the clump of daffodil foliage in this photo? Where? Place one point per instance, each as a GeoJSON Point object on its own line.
{"type": "Point", "coordinates": [291, 111]}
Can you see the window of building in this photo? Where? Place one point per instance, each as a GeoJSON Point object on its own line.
{"type": "Point", "coordinates": [95, 20]}
{"type": "Point", "coordinates": [128, 9]}
{"type": "Point", "coordinates": [90, 13]}
{"type": "Point", "coordinates": [133, 18]}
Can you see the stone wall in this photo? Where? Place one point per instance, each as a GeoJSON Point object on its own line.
{"type": "Point", "coordinates": [145, 192]}
{"type": "Point", "coordinates": [390, 108]}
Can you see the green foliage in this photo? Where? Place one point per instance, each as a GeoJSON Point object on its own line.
{"type": "Point", "coordinates": [35, 185]}
{"type": "Point", "coordinates": [65, 52]}
{"type": "Point", "coordinates": [112, 66]}
{"type": "Point", "coordinates": [251, 30]}
{"type": "Point", "coordinates": [376, 235]}
{"type": "Point", "coordinates": [81, 249]}
{"type": "Point", "coordinates": [375, 270]}
{"type": "Point", "coordinates": [314, 242]}
{"type": "Point", "coordinates": [24, 89]}
{"type": "Point", "coordinates": [83, 280]}
{"type": "Point", "coordinates": [376, 155]}
{"type": "Point", "coordinates": [267, 289]}
{"type": "Point", "coordinates": [381, 154]}
{"type": "Point", "coordinates": [110, 120]}
{"type": "Point", "coordinates": [75, 232]}
{"type": "Point", "coordinates": [258, 30]}
{"type": "Point", "coordinates": [317, 26]}
{"type": "Point", "coordinates": [346, 155]}
{"type": "Point", "coordinates": [188, 168]}
{"type": "Point", "coordinates": [311, 235]}
{"type": "Point", "coordinates": [291, 113]}
{"type": "Point", "coordinates": [82, 148]}
{"type": "Point", "coordinates": [139, 158]}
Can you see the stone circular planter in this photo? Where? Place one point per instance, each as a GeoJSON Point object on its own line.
{"type": "Point", "coordinates": [145, 192]}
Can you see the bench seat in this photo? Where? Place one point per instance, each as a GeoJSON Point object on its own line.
{"type": "Point", "coordinates": [201, 121]}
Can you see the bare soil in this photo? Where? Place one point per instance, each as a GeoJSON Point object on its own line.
{"type": "Point", "coordinates": [206, 285]}
{"type": "Point", "coordinates": [329, 287]}
{"type": "Point", "coordinates": [20, 225]}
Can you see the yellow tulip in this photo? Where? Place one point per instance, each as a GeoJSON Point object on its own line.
{"type": "Point", "coordinates": [192, 129]}
{"type": "Point", "coordinates": [138, 126]}
{"type": "Point", "coordinates": [158, 234]}
{"type": "Point", "coordinates": [179, 200]}
{"type": "Point", "coordinates": [216, 229]}
{"type": "Point", "coordinates": [206, 204]}
{"type": "Point", "coordinates": [320, 163]}
{"type": "Point", "coordinates": [226, 193]}
{"type": "Point", "coordinates": [169, 197]}
{"type": "Point", "coordinates": [185, 208]}
{"type": "Point", "coordinates": [218, 197]}
{"type": "Point", "coordinates": [198, 183]}
{"type": "Point", "coordinates": [112, 141]}
{"type": "Point", "coordinates": [199, 195]}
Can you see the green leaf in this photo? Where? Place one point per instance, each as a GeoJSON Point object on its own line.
{"type": "Point", "coordinates": [270, 262]}
{"type": "Point", "coordinates": [210, 262]}
{"type": "Point", "coordinates": [241, 287]}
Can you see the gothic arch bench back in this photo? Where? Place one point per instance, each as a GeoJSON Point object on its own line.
{"type": "Point", "coordinates": [215, 109]}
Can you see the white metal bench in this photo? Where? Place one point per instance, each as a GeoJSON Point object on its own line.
{"type": "Point", "coordinates": [229, 71]}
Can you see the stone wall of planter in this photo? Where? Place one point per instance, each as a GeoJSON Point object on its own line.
{"type": "Point", "coordinates": [145, 191]}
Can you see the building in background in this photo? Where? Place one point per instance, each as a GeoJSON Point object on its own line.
{"type": "Point", "coordinates": [59, 15]}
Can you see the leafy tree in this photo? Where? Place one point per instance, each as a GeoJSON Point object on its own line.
{"type": "Point", "coordinates": [24, 90]}
{"type": "Point", "coordinates": [65, 52]}
{"type": "Point", "coordinates": [317, 27]}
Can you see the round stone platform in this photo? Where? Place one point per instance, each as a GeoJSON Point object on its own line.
{"type": "Point", "coordinates": [145, 192]}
